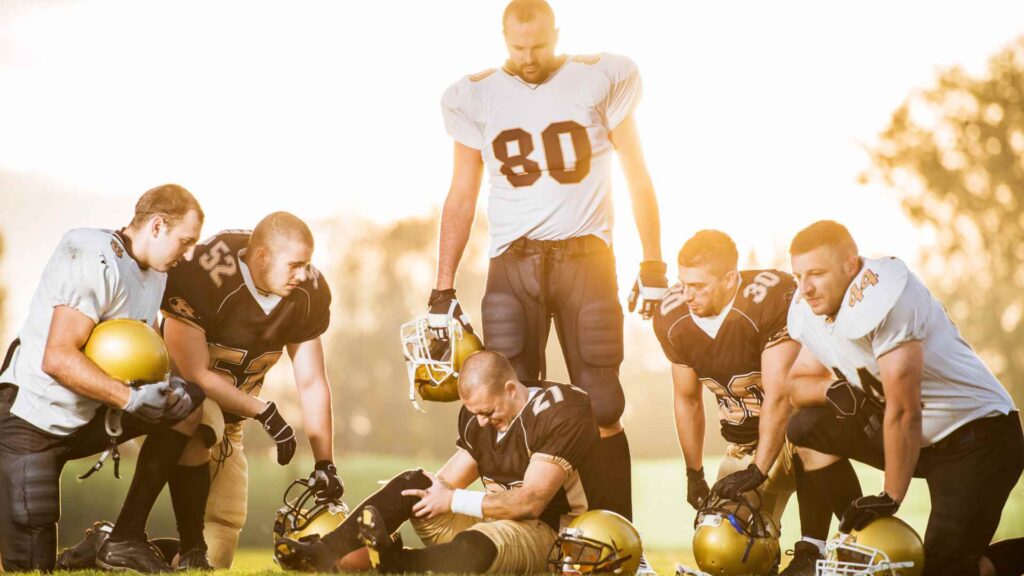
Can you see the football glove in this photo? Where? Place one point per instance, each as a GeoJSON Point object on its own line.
{"type": "Point", "coordinates": [159, 402]}
{"type": "Point", "coordinates": [650, 287]}
{"type": "Point", "coordinates": [739, 482]}
{"type": "Point", "coordinates": [442, 307]}
{"type": "Point", "coordinates": [325, 482]}
{"type": "Point", "coordinates": [863, 510]}
{"type": "Point", "coordinates": [696, 487]}
{"type": "Point", "coordinates": [279, 431]}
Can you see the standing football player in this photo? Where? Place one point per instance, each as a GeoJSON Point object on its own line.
{"type": "Point", "coordinates": [535, 449]}
{"type": "Point", "coordinates": [886, 379]}
{"type": "Point", "coordinates": [54, 400]}
{"type": "Point", "coordinates": [230, 313]}
{"type": "Point", "coordinates": [545, 125]}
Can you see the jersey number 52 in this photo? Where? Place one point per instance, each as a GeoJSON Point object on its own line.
{"type": "Point", "coordinates": [521, 171]}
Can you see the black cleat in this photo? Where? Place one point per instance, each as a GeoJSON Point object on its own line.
{"type": "Point", "coordinates": [374, 534]}
{"type": "Point", "coordinates": [82, 556]}
{"type": "Point", "coordinates": [194, 558]}
{"type": "Point", "coordinates": [805, 559]}
{"type": "Point", "coordinates": [136, 554]}
{"type": "Point", "coordinates": [308, 554]}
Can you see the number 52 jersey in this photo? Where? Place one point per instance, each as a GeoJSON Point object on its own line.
{"type": "Point", "coordinates": [546, 146]}
{"type": "Point", "coordinates": [246, 330]}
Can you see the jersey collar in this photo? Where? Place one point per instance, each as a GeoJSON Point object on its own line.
{"type": "Point", "coordinates": [530, 394]}
{"type": "Point", "coordinates": [712, 324]}
{"type": "Point", "coordinates": [267, 302]}
{"type": "Point", "coordinates": [126, 243]}
{"type": "Point", "coordinates": [555, 72]}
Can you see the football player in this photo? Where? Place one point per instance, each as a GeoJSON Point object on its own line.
{"type": "Point", "coordinates": [545, 125]}
{"type": "Point", "coordinates": [885, 378]}
{"type": "Point", "coordinates": [230, 313]}
{"type": "Point", "coordinates": [725, 329]}
{"type": "Point", "coordinates": [55, 401]}
{"type": "Point", "coordinates": [535, 449]}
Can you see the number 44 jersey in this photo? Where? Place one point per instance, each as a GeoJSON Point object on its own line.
{"type": "Point", "coordinates": [546, 146]}
{"type": "Point", "coordinates": [246, 329]}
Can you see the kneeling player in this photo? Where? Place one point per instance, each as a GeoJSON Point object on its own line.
{"type": "Point", "coordinates": [536, 450]}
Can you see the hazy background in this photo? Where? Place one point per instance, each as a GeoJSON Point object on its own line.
{"type": "Point", "coordinates": [902, 120]}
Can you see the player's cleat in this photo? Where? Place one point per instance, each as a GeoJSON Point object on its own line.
{"type": "Point", "coordinates": [805, 559]}
{"type": "Point", "coordinates": [82, 556]}
{"type": "Point", "coordinates": [645, 568]}
{"type": "Point", "coordinates": [307, 554]}
{"type": "Point", "coordinates": [194, 558]}
{"type": "Point", "coordinates": [135, 554]}
{"type": "Point", "coordinates": [376, 538]}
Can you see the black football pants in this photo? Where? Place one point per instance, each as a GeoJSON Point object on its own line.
{"type": "Point", "coordinates": [970, 474]}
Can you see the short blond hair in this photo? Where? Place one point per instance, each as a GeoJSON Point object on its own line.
{"type": "Point", "coordinates": [279, 226]}
{"type": "Point", "coordinates": [169, 201]}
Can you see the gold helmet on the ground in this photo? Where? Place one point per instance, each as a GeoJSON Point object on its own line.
{"type": "Point", "coordinates": [433, 364]}
{"type": "Point", "coordinates": [128, 350]}
{"type": "Point", "coordinates": [735, 538]}
{"type": "Point", "coordinates": [305, 515]}
{"type": "Point", "coordinates": [887, 546]}
{"type": "Point", "coordinates": [596, 542]}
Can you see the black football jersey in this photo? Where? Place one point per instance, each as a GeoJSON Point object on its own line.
{"type": "Point", "coordinates": [729, 362]}
{"type": "Point", "coordinates": [557, 425]}
{"type": "Point", "coordinates": [246, 331]}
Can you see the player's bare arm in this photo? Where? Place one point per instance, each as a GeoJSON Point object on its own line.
{"type": "Point", "coordinates": [808, 380]}
{"type": "Point", "coordinates": [626, 139]}
{"type": "Point", "coordinates": [688, 404]}
{"type": "Point", "coordinates": [187, 345]}
{"type": "Point", "coordinates": [901, 371]}
{"type": "Point", "coordinates": [314, 396]}
{"type": "Point", "coordinates": [540, 483]}
{"type": "Point", "coordinates": [64, 360]}
{"type": "Point", "coordinates": [776, 362]}
{"type": "Point", "coordinates": [458, 212]}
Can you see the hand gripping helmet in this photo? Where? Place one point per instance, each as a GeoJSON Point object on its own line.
{"type": "Point", "coordinates": [294, 520]}
{"type": "Point", "coordinates": [735, 538]}
{"type": "Point", "coordinates": [128, 350]}
{"type": "Point", "coordinates": [434, 364]}
{"type": "Point", "coordinates": [887, 546]}
{"type": "Point", "coordinates": [596, 542]}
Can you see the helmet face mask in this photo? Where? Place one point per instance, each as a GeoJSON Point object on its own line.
{"type": "Point", "coordinates": [887, 546]}
{"type": "Point", "coordinates": [596, 542]}
{"type": "Point", "coordinates": [305, 515]}
{"type": "Point", "coordinates": [735, 538]}
{"type": "Point", "coordinates": [433, 364]}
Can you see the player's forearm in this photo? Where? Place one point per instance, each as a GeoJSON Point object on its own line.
{"type": "Point", "coordinates": [771, 430]}
{"type": "Point", "coordinates": [77, 373]}
{"type": "Point", "coordinates": [318, 419]}
{"type": "Point", "coordinates": [646, 215]}
{"type": "Point", "coordinates": [221, 390]}
{"type": "Point", "coordinates": [902, 443]}
{"type": "Point", "coordinates": [689, 419]}
{"type": "Point", "coordinates": [456, 224]}
{"type": "Point", "coordinates": [514, 504]}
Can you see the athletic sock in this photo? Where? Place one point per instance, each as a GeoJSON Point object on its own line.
{"type": "Point", "coordinates": [815, 513]}
{"type": "Point", "coordinates": [157, 459]}
{"type": "Point", "coordinates": [618, 474]}
{"type": "Point", "coordinates": [394, 507]}
{"type": "Point", "coordinates": [470, 552]}
{"type": "Point", "coordinates": [190, 489]}
{"type": "Point", "coordinates": [837, 485]}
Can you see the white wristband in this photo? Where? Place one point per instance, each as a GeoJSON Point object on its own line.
{"type": "Point", "coordinates": [468, 502]}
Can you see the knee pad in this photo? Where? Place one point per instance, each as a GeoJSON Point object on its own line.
{"type": "Point", "coordinates": [599, 334]}
{"type": "Point", "coordinates": [802, 424]}
{"type": "Point", "coordinates": [606, 397]}
{"type": "Point", "coordinates": [33, 487]}
{"type": "Point", "coordinates": [505, 325]}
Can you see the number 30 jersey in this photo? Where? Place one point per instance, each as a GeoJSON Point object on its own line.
{"type": "Point", "coordinates": [725, 350]}
{"type": "Point", "coordinates": [246, 331]}
{"type": "Point", "coordinates": [546, 146]}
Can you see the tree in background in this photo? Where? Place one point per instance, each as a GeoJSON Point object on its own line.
{"type": "Point", "coordinates": [955, 152]}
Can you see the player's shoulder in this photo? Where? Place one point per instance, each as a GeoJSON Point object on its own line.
{"type": "Point", "coordinates": [214, 265]}
{"type": "Point", "coordinates": [765, 293]}
{"type": "Point", "coordinates": [871, 296]}
{"type": "Point", "coordinates": [468, 86]}
{"type": "Point", "coordinates": [615, 67]}
{"type": "Point", "coordinates": [315, 289]}
{"type": "Point", "coordinates": [554, 402]}
{"type": "Point", "coordinates": [671, 311]}
{"type": "Point", "coordinates": [100, 247]}
{"type": "Point", "coordinates": [224, 242]}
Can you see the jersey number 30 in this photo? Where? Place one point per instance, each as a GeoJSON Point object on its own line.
{"type": "Point", "coordinates": [521, 171]}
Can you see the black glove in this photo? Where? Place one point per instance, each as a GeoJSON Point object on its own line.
{"type": "Point", "coordinates": [863, 510]}
{"type": "Point", "coordinates": [650, 287]}
{"type": "Point", "coordinates": [325, 482]}
{"type": "Point", "coordinates": [697, 490]}
{"type": "Point", "coordinates": [443, 306]}
{"type": "Point", "coordinates": [279, 431]}
{"type": "Point", "coordinates": [849, 401]}
{"type": "Point", "coordinates": [739, 482]}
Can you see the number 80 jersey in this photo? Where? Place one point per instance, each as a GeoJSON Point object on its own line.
{"type": "Point", "coordinates": [546, 146]}
{"type": "Point", "coordinates": [246, 330]}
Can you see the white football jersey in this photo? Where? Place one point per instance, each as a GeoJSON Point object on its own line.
{"type": "Point", "coordinates": [885, 306]}
{"type": "Point", "coordinates": [92, 272]}
{"type": "Point", "coordinates": [546, 146]}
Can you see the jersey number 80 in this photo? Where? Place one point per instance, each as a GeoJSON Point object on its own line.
{"type": "Point", "coordinates": [521, 171]}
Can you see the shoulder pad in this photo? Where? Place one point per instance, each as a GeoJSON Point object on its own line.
{"type": "Point", "coordinates": [796, 319]}
{"type": "Point", "coordinates": [588, 59]}
{"type": "Point", "coordinates": [481, 75]}
{"type": "Point", "coordinates": [871, 295]}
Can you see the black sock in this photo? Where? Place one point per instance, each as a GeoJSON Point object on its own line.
{"type": "Point", "coordinates": [190, 488]}
{"type": "Point", "coordinates": [157, 459]}
{"type": "Point", "coordinates": [470, 552]}
{"type": "Point", "coordinates": [394, 507]}
{"type": "Point", "coordinates": [618, 474]}
{"type": "Point", "coordinates": [815, 514]}
{"type": "Point", "coordinates": [1007, 556]}
{"type": "Point", "coordinates": [837, 485]}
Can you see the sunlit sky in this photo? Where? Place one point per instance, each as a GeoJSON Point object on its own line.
{"type": "Point", "coordinates": [754, 115]}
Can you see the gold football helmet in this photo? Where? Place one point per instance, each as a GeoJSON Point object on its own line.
{"type": "Point", "coordinates": [596, 542]}
{"type": "Point", "coordinates": [128, 350]}
{"type": "Point", "coordinates": [887, 546]}
{"type": "Point", "coordinates": [735, 538]}
{"type": "Point", "coordinates": [434, 364]}
{"type": "Point", "coordinates": [295, 520]}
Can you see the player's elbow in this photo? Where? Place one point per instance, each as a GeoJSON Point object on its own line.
{"type": "Point", "coordinates": [53, 362]}
{"type": "Point", "coordinates": [906, 416]}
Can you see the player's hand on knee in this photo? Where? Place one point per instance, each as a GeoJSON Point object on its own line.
{"type": "Point", "coordinates": [696, 487]}
{"type": "Point", "coordinates": [434, 501]}
{"type": "Point", "coordinates": [739, 482]}
{"type": "Point", "coordinates": [442, 308]}
{"type": "Point", "coordinates": [325, 481]}
{"type": "Point", "coordinates": [650, 287]}
{"type": "Point", "coordinates": [865, 509]}
{"type": "Point", "coordinates": [279, 431]}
